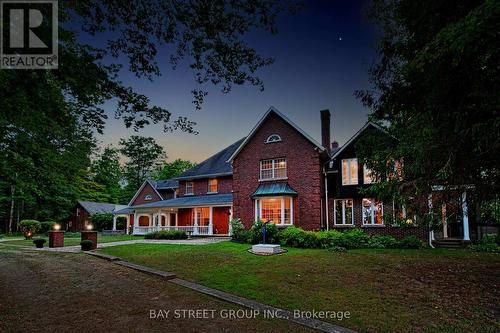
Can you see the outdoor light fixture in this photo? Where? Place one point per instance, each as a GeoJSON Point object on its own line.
{"type": "Point", "coordinates": [89, 226]}
{"type": "Point", "coordinates": [57, 227]}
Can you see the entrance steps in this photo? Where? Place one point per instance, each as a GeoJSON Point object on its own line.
{"type": "Point", "coordinates": [450, 243]}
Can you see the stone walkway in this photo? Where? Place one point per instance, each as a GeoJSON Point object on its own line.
{"type": "Point", "coordinates": [193, 241]}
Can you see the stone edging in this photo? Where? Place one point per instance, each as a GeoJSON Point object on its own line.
{"type": "Point", "coordinates": [284, 314]}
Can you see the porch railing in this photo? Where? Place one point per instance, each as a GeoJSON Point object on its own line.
{"type": "Point", "coordinates": [194, 230]}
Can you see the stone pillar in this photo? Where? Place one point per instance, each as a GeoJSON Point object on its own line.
{"type": "Point", "coordinates": [465, 213]}
{"type": "Point", "coordinates": [56, 238]}
{"type": "Point", "coordinates": [90, 235]}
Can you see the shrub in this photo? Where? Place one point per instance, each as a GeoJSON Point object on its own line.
{"type": "Point", "coordinates": [87, 245]}
{"type": "Point", "coordinates": [410, 242]}
{"type": "Point", "coordinates": [255, 234]}
{"type": "Point", "coordinates": [486, 244]}
{"type": "Point", "coordinates": [238, 231]}
{"type": "Point", "coordinates": [354, 239]}
{"type": "Point", "coordinates": [102, 221]}
{"type": "Point", "coordinates": [39, 242]}
{"type": "Point", "coordinates": [292, 236]}
{"type": "Point", "coordinates": [330, 238]}
{"type": "Point", "coordinates": [382, 242]}
{"type": "Point", "coordinates": [46, 226]}
{"type": "Point", "coordinates": [337, 249]}
{"type": "Point", "coordinates": [29, 227]}
{"type": "Point", "coordinates": [166, 234]}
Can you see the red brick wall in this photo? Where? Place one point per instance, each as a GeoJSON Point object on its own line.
{"type": "Point", "coordinates": [224, 185]}
{"type": "Point", "coordinates": [147, 189]}
{"type": "Point", "coordinates": [421, 231]}
{"type": "Point", "coordinates": [184, 216]}
{"type": "Point", "coordinates": [303, 171]}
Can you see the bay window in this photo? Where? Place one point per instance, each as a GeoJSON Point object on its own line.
{"type": "Point", "coordinates": [273, 169]}
{"type": "Point", "coordinates": [372, 212]}
{"type": "Point", "coordinates": [350, 171]}
{"type": "Point", "coordinates": [343, 212]}
{"type": "Point", "coordinates": [277, 210]}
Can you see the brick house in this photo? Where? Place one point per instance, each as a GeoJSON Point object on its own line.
{"type": "Point", "coordinates": [277, 173]}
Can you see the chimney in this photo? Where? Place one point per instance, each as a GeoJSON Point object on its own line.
{"type": "Point", "coordinates": [325, 129]}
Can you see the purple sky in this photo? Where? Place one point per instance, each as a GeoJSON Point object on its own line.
{"type": "Point", "coordinates": [321, 57]}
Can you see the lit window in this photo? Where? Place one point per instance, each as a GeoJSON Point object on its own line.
{"type": "Point", "coordinates": [277, 210]}
{"type": "Point", "coordinates": [368, 176]}
{"type": "Point", "coordinates": [189, 187]}
{"type": "Point", "coordinates": [148, 197]}
{"type": "Point", "coordinates": [273, 138]}
{"type": "Point", "coordinates": [212, 185]}
{"type": "Point", "coordinates": [343, 212]}
{"type": "Point", "coordinates": [273, 169]}
{"type": "Point", "coordinates": [203, 216]}
{"type": "Point", "coordinates": [372, 212]}
{"type": "Point", "coordinates": [350, 171]}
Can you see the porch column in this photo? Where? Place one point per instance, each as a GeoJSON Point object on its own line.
{"type": "Point", "coordinates": [159, 219]}
{"type": "Point", "coordinates": [114, 222]}
{"type": "Point", "coordinates": [230, 219]}
{"type": "Point", "coordinates": [136, 221]}
{"type": "Point", "coordinates": [210, 222]}
{"type": "Point", "coordinates": [195, 231]}
{"type": "Point", "coordinates": [445, 223]}
{"type": "Point", "coordinates": [429, 202]}
{"type": "Point", "coordinates": [465, 214]}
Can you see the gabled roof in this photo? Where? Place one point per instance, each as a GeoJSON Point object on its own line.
{"type": "Point", "coordinates": [216, 165]}
{"type": "Point", "coordinates": [166, 184]}
{"type": "Point", "coordinates": [191, 201]}
{"type": "Point", "coordinates": [98, 207]}
{"type": "Point", "coordinates": [354, 137]}
{"type": "Point", "coordinates": [273, 110]}
{"type": "Point", "coordinates": [140, 189]}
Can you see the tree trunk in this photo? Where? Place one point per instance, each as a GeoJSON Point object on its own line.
{"type": "Point", "coordinates": [11, 214]}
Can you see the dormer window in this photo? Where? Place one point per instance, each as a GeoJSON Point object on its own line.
{"type": "Point", "coordinates": [273, 138]}
{"type": "Point", "coordinates": [148, 197]}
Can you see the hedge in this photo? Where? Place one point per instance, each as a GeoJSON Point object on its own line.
{"type": "Point", "coordinates": [166, 234]}
{"type": "Point", "coordinates": [332, 239]}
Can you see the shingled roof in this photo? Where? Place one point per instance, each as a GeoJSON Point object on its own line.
{"type": "Point", "coordinates": [167, 184]}
{"type": "Point", "coordinates": [99, 207]}
{"type": "Point", "coordinates": [216, 165]}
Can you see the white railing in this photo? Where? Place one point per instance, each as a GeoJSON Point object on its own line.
{"type": "Point", "coordinates": [194, 230]}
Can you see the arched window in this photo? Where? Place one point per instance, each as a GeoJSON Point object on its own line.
{"type": "Point", "coordinates": [148, 197]}
{"type": "Point", "coordinates": [273, 138]}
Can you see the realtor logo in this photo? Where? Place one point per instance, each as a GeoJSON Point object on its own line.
{"type": "Point", "coordinates": [28, 34]}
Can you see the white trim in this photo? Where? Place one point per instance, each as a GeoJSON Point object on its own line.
{"type": "Point", "coordinates": [141, 188]}
{"type": "Point", "coordinates": [343, 212]}
{"type": "Point", "coordinates": [258, 209]}
{"type": "Point", "coordinates": [261, 121]}
{"type": "Point", "coordinates": [355, 136]}
{"type": "Point", "coordinates": [278, 138]}
{"type": "Point", "coordinates": [465, 213]}
{"type": "Point", "coordinates": [372, 213]}
{"type": "Point", "coordinates": [350, 161]}
{"type": "Point", "coordinates": [273, 169]}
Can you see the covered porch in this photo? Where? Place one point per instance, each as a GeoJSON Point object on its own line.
{"type": "Point", "coordinates": [197, 215]}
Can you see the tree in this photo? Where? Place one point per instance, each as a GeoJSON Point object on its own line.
{"type": "Point", "coordinates": [106, 170]}
{"type": "Point", "coordinates": [173, 169]}
{"type": "Point", "coordinates": [436, 95]}
{"type": "Point", "coordinates": [145, 157]}
{"type": "Point", "coordinates": [48, 117]}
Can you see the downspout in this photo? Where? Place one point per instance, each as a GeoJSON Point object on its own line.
{"type": "Point", "coordinates": [326, 198]}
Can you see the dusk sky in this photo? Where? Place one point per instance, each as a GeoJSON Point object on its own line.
{"type": "Point", "coordinates": [322, 55]}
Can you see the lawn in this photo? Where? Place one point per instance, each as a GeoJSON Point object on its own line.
{"type": "Point", "coordinates": [72, 239]}
{"type": "Point", "coordinates": [384, 290]}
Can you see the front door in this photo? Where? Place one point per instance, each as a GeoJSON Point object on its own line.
{"type": "Point", "coordinates": [220, 220]}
